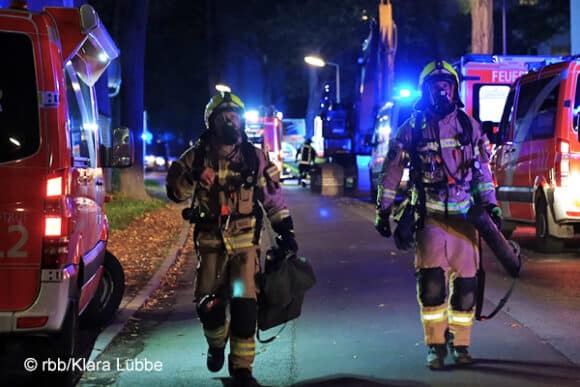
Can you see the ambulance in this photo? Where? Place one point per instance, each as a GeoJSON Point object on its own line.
{"type": "Point", "coordinates": [55, 269]}
{"type": "Point", "coordinates": [536, 164]}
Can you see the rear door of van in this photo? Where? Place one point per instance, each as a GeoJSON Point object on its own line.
{"type": "Point", "coordinates": [23, 168]}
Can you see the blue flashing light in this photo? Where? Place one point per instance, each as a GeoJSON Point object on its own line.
{"type": "Point", "coordinates": [147, 137]}
{"type": "Point", "coordinates": [404, 93]}
{"type": "Point", "coordinates": [323, 212]}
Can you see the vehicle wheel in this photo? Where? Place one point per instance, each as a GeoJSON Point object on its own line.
{"type": "Point", "coordinates": [545, 242]}
{"type": "Point", "coordinates": [102, 308]}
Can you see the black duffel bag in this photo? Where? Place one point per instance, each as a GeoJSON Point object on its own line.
{"type": "Point", "coordinates": [283, 283]}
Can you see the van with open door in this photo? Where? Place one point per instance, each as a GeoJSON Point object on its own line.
{"type": "Point", "coordinates": [536, 163]}
{"type": "Point", "coordinates": [54, 266]}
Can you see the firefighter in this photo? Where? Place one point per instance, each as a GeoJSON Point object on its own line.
{"type": "Point", "coordinates": [227, 177]}
{"type": "Point", "coordinates": [305, 156]}
{"type": "Point", "coordinates": [449, 172]}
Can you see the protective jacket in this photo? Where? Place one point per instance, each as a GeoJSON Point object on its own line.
{"type": "Point", "coordinates": [238, 185]}
{"type": "Point", "coordinates": [454, 166]}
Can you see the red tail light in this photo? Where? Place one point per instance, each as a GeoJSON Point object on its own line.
{"type": "Point", "coordinates": [562, 162]}
{"type": "Point", "coordinates": [53, 226]}
{"type": "Point", "coordinates": [56, 222]}
{"type": "Point", "coordinates": [31, 322]}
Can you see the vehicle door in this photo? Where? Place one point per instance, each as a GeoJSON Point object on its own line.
{"type": "Point", "coordinates": [87, 188]}
{"type": "Point", "coordinates": [23, 165]}
{"type": "Point", "coordinates": [503, 154]}
{"type": "Point", "coordinates": [519, 183]}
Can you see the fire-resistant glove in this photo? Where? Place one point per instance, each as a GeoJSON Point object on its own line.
{"type": "Point", "coordinates": [382, 222]}
{"type": "Point", "coordinates": [495, 213]}
{"type": "Point", "coordinates": [285, 238]}
{"type": "Point", "coordinates": [287, 242]}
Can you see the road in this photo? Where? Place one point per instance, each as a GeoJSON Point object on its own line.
{"type": "Point", "coordinates": [360, 323]}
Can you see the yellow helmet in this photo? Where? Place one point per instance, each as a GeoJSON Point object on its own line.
{"type": "Point", "coordinates": [435, 71]}
{"type": "Point", "coordinates": [223, 101]}
{"type": "Point", "coordinates": [438, 70]}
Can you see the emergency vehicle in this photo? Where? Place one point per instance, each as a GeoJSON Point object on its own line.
{"type": "Point", "coordinates": [485, 81]}
{"type": "Point", "coordinates": [537, 161]}
{"type": "Point", "coordinates": [54, 266]}
{"type": "Point", "coordinates": [264, 129]}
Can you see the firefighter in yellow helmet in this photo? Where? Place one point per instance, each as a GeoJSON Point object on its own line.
{"type": "Point", "coordinates": [227, 176]}
{"type": "Point", "coordinates": [449, 172]}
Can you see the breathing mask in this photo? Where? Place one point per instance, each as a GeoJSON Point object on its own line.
{"type": "Point", "coordinates": [226, 127]}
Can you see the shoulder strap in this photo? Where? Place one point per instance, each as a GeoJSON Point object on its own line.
{"type": "Point", "coordinates": [415, 173]}
{"type": "Point", "coordinates": [249, 153]}
{"type": "Point", "coordinates": [466, 125]}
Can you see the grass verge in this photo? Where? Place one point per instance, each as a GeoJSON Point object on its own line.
{"type": "Point", "coordinates": [121, 211]}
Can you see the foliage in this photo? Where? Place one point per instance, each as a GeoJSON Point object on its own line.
{"type": "Point", "coordinates": [121, 210]}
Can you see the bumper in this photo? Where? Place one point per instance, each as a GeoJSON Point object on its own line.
{"type": "Point", "coordinates": [52, 302]}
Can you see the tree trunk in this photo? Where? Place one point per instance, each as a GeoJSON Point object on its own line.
{"type": "Point", "coordinates": [132, 32]}
{"type": "Point", "coordinates": [481, 26]}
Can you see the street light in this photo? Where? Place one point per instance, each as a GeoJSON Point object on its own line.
{"type": "Point", "coordinates": [319, 62]}
{"type": "Point", "coordinates": [223, 88]}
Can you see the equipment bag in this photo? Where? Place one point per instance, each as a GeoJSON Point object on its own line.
{"type": "Point", "coordinates": [283, 284]}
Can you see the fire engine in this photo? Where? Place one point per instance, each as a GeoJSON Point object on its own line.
{"type": "Point", "coordinates": [54, 267]}
{"type": "Point", "coordinates": [485, 81]}
{"type": "Point", "coordinates": [536, 164]}
{"type": "Point", "coordinates": [264, 129]}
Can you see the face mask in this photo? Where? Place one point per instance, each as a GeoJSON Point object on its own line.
{"type": "Point", "coordinates": [442, 103]}
{"type": "Point", "coordinates": [226, 131]}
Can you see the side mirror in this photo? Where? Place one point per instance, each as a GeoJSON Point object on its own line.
{"type": "Point", "coordinates": [487, 127]}
{"type": "Point", "coordinates": [121, 153]}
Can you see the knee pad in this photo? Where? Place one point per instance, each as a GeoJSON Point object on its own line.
{"type": "Point", "coordinates": [243, 317]}
{"type": "Point", "coordinates": [211, 311]}
{"type": "Point", "coordinates": [463, 297]}
{"type": "Point", "coordinates": [431, 286]}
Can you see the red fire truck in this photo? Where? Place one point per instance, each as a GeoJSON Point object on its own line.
{"type": "Point", "coordinates": [486, 81]}
{"type": "Point", "coordinates": [54, 267]}
{"type": "Point", "coordinates": [264, 129]}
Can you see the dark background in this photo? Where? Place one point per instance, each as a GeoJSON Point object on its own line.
{"type": "Point", "coordinates": [257, 48]}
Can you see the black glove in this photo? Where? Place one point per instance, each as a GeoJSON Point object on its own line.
{"type": "Point", "coordinates": [287, 242]}
{"type": "Point", "coordinates": [495, 214]}
{"type": "Point", "coordinates": [382, 222]}
{"type": "Point", "coordinates": [286, 239]}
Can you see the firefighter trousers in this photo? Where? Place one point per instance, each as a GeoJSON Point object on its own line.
{"type": "Point", "coordinates": [231, 275]}
{"type": "Point", "coordinates": [447, 257]}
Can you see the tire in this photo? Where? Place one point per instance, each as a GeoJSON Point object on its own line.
{"type": "Point", "coordinates": [545, 242]}
{"type": "Point", "coordinates": [105, 303]}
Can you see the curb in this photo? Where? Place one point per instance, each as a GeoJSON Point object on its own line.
{"type": "Point", "coordinates": [129, 307]}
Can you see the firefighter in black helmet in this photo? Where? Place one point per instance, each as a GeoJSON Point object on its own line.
{"type": "Point", "coordinates": [228, 176]}
{"type": "Point", "coordinates": [449, 158]}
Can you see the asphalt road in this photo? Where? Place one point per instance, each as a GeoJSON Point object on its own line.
{"type": "Point", "coordinates": [360, 324]}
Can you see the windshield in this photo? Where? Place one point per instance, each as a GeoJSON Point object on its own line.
{"type": "Point", "coordinates": [489, 102]}
{"type": "Point", "coordinates": [19, 128]}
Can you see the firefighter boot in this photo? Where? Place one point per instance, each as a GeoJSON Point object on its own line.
{"type": "Point", "coordinates": [242, 377]}
{"type": "Point", "coordinates": [436, 354]}
{"type": "Point", "coordinates": [460, 353]}
{"type": "Point", "coordinates": [215, 358]}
